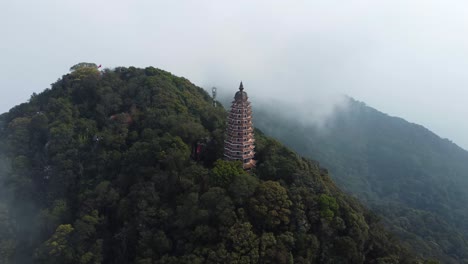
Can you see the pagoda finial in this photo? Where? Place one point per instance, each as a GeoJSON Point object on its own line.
{"type": "Point", "coordinates": [241, 87]}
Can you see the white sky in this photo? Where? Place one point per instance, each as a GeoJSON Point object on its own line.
{"type": "Point", "coordinates": [408, 58]}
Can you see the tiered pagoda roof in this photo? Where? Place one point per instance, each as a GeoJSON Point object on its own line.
{"type": "Point", "coordinates": [239, 142]}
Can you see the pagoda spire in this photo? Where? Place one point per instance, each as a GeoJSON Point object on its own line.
{"type": "Point", "coordinates": [241, 87]}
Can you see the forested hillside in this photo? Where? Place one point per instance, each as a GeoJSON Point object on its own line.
{"type": "Point", "coordinates": [98, 169]}
{"type": "Point", "coordinates": [410, 176]}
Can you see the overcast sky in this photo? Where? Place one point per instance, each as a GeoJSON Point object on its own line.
{"type": "Point", "coordinates": [408, 58]}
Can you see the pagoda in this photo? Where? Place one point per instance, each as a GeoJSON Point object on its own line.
{"type": "Point", "coordinates": [239, 142]}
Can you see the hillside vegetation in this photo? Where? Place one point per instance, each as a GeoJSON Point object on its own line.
{"type": "Point", "coordinates": [410, 176]}
{"type": "Point", "coordinates": [97, 169]}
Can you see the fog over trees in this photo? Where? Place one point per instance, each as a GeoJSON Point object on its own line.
{"type": "Point", "coordinates": [406, 58]}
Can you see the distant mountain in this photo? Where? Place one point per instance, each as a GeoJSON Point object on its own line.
{"type": "Point", "coordinates": [99, 170]}
{"type": "Point", "coordinates": [413, 178]}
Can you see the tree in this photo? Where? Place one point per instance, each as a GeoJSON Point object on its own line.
{"type": "Point", "coordinates": [328, 206]}
{"type": "Point", "coordinates": [243, 242]}
{"type": "Point", "coordinates": [83, 70]}
{"type": "Point", "coordinates": [219, 206]}
{"type": "Point", "coordinates": [270, 205]}
{"type": "Point", "coordinates": [58, 248]}
{"type": "Point", "coordinates": [242, 187]}
{"type": "Point", "coordinates": [224, 172]}
{"type": "Point", "coordinates": [82, 65]}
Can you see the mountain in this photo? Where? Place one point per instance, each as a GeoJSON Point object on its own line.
{"type": "Point", "coordinates": [98, 169]}
{"type": "Point", "coordinates": [413, 178]}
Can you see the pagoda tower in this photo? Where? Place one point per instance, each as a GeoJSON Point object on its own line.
{"type": "Point", "coordinates": [239, 143]}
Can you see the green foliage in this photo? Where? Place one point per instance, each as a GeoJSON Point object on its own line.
{"type": "Point", "coordinates": [271, 205]}
{"type": "Point", "coordinates": [101, 173]}
{"type": "Point", "coordinates": [328, 206]}
{"type": "Point", "coordinates": [407, 174]}
{"type": "Point", "coordinates": [242, 187]}
{"type": "Point", "coordinates": [83, 70]}
{"type": "Point", "coordinates": [52, 217]}
{"type": "Point", "coordinates": [83, 65]}
{"type": "Point", "coordinates": [57, 249]}
{"type": "Point", "coordinates": [224, 172]}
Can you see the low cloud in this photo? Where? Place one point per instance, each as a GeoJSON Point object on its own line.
{"type": "Point", "coordinates": [406, 58]}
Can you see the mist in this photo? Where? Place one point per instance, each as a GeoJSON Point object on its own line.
{"type": "Point", "coordinates": [7, 240]}
{"type": "Point", "coordinates": [405, 58]}
{"type": "Point", "coordinates": [18, 214]}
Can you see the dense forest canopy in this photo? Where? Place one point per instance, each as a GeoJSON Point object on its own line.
{"type": "Point", "coordinates": [97, 169]}
{"type": "Point", "coordinates": [404, 172]}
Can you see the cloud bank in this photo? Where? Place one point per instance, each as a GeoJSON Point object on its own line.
{"type": "Point", "coordinates": [406, 58]}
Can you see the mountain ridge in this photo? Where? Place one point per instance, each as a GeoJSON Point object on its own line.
{"type": "Point", "coordinates": [101, 173]}
{"type": "Point", "coordinates": [397, 168]}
